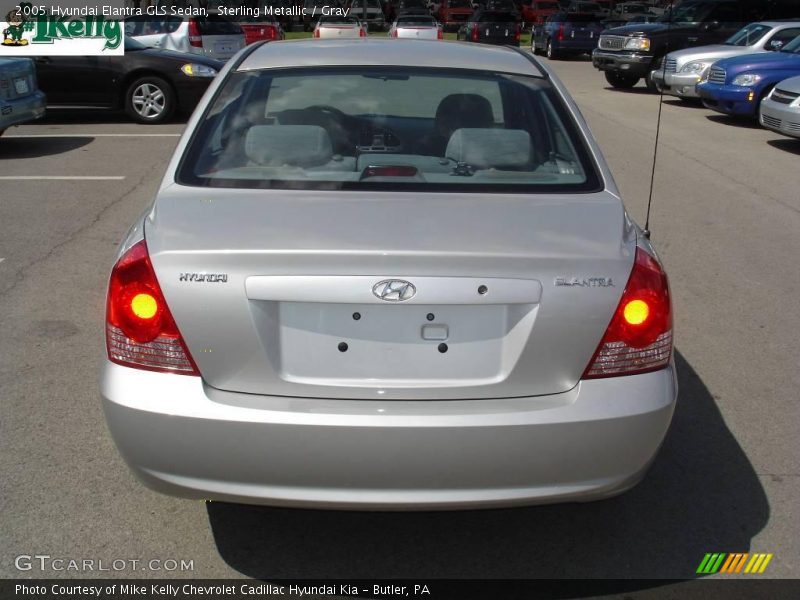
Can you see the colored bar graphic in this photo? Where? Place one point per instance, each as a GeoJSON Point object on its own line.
{"type": "Point", "coordinates": [722, 562]}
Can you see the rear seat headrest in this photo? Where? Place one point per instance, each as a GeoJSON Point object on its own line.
{"type": "Point", "coordinates": [292, 145]}
{"type": "Point", "coordinates": [485, 148]}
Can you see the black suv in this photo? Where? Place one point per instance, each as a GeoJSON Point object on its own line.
{"type": "Point", "coordinates": [628, 53]}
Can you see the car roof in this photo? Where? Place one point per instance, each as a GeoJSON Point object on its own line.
{"type": "Point", "coordinates": [389, 52]}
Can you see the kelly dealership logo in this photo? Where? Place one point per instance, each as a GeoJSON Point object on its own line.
{"type": "Point", "coordinates": [30, 31]}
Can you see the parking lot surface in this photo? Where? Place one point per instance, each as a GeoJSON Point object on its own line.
{"type": "Point", "coordinates": [725, 217]}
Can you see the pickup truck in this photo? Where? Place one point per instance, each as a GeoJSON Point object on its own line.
{"type": "Point", "coordinates": [629, 53]}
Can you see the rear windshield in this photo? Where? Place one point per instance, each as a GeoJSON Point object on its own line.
{"type": "Point", "coordinates": [214, 25]}
{"type": "Point", "coordinates": [415, 20]}
{"type": "Point", "coordinates": [497, 17]}
{"type": "Point", "coordinates": [748, 35]}
{"type": "Point", "coordinates": [387, 128]}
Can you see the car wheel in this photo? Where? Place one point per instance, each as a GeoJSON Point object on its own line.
{"type": "Point", "coordinates": [652, 86]}
{"type": "Point", "coordinates": [150, 100]}
{"type": "Point", "coordinates": [620, 81]}
{"type": "Point", "coordinates": [551, 52]}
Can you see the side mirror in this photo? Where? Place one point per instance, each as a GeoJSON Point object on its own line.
{"type": "Point", "coordinates": [775, 45]}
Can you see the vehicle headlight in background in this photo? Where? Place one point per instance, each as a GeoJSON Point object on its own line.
{"type": "Point", "coordinates": [195, 70]}
{"type": "Point", "coordinates": [696, 67]}
{"type": "Point", "coordinates": [746, 79]}
{"type": "Point", "coordinates": [637, 43]}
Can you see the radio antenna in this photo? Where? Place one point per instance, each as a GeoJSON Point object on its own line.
{"type": "Point", "coordinates": [658, 124]}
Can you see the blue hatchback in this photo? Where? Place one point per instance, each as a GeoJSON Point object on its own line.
{"type": "Point", "coordinates": [736, 86]}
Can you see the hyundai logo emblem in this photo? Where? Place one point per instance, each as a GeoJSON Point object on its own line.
{"type": "Point", "coordinates": [394, 290]}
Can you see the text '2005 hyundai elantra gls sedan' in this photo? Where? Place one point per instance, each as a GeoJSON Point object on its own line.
{"type": "Point", "coordinates": [367, 284]}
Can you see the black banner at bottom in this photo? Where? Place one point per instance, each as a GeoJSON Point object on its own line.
{"type": "Point", "coordinates": [434, 589]}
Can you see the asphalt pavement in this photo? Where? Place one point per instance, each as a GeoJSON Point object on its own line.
{"type": "Point", "coordinates": [725, 219]}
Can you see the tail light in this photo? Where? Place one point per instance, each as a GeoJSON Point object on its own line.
{"type": "Point", "coordinates": [560, 34]}
{"type": "Point", "coordinates": [140, 330]}
{"type": "Point", "coordinates": [393, 33]}
{"type": "Point", "coordinates": [639, 337]}
{"type": "Point", "coordinates": [271, 32]}
{"type": "Point", "coordinates": [316, 32]}
{"type": "Point", "coordinates": [517, 33]}
{"type": "Point", "coordinates": [439, 33]}
{"type": "Point", "coordinates": [195, 39]}
{"type": "Point", "coordinates": [474, 33]}
{"type": "Point", "coordinates": [362, 32]}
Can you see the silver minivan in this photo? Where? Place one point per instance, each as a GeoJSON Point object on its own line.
{"type": "Point", "coordinates": [213, 36]}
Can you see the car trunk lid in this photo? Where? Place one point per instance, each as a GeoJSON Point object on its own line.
{"type": "Point", "coordinates": [267, 286]}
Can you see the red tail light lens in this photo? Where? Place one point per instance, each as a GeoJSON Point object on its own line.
{"type": "Point", "coordinates": [560, 34]}
{"type": "Point", "coordinates": [439, 34]}
{"type": "Point", "coordinates": [140, 330]}
{"type": "Point", "coordinates": [195, 39]}
{"type": "Point", "coordinates": [516, 34]}
{"type": "Point", "coordinates": [271, 32]}
{"type": "Point", "coordinates": [639, 337]}
{"type": "Point", "coordinates": [316, 32]}
{"type": "Point", "coordinates": [474, 33]}
{"type": "Point", "coordinates": [362, 32]}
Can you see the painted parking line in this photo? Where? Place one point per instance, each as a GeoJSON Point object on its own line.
{"type": "Point", "coordinates": [69, 135]}
{"type": "Point", "coordinates": [62, 177]}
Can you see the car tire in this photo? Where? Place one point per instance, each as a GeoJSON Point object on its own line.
{"type": "Point", "coordinates": [620, 81]}
{"type": "Point", "coordinates": [652, 86]}
{"type": "Point", "coordinates": [150, 100]}
{"type": "Point", "coordinates": [551, 52]}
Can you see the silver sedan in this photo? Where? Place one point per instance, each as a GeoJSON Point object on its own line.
{"type": "Point", "coordinates": [390, 275]}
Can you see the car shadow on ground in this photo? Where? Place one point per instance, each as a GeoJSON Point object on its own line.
{"type": "Point", "coordinates": [11, 147]}
{"type": "Point", "coordinates": [64, 116]}
{"type": "Point", "coordinates": [639, 88]}
{"type": "Point", "coordinates": [735, 121]}
{"type": "Point", "coordinates": [688, 103]}
{"type": "Point", "coordinates": [786, 144]}
{"type": "Point", "coordinates": [701, 495]}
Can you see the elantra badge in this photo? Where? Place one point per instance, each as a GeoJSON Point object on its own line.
{"type": "Point", "coordinates": [394, 290]}
{"type": "Point", "coordinates": [585, 281]}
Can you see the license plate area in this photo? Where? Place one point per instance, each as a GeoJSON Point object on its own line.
{"type": "Point", "coordinates": [368, 345]}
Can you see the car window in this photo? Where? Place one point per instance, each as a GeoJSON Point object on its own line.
{"type": "Point", "coordinates": [784, 36]}
{"type": "Point", "coordinates": [792, 47]}
{"type": "Point", "coordinates": [388, 128]}
{"type": "Point", "coordinates": [748, 35]}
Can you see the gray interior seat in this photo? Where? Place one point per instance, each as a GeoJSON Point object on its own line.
{"type": "Point", "coordinates": [485, 148]}
{"type": "Point", "coordinates": [305, 146]}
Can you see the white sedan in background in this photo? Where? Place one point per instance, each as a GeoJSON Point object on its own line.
{"type": "Point", "coordinates": [339, 27]}
{"type": "Point", "coordinates": [416, 27]}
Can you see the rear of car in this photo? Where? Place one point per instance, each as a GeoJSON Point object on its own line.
{"type": "Point", "coordinates": [369, 12]}
{"type": "Point", "coordinates": [568, 34]}
{"type": "Point", "coordinates": [258, 29]}
{"type": "Point", "coordinates": [454, 13]}
{"type": "Point", "coordinates": [20, 99]}
{"type": "Point", "coordinates": [416, 27]}
{"type": "Point", "coordinates": [492, 27]}
{"type": "Point", "coordinates": [339, 27]}
{"type": "Point", "coordinates": [536, 11]}
{"type": "Point", "coordinates": [404, 280]}
{"type": "Point", "coordinates": [212, 36]}
{"type": "Point", "coordinates": [780, 109]}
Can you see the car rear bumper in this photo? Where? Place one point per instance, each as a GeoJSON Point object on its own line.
{"type": "Point", "coordinates": [629, 63]}
{"type": "Point", "coordinates": [728, 99]}
{"type": "Point", "coordinates": [676, 84]}
{"type": "Point", "coordinates": [22, 110]}
{"type": "Point", "coordinates": [780, 117]}
{"type": "Point", "coordinates": [184, 438]}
